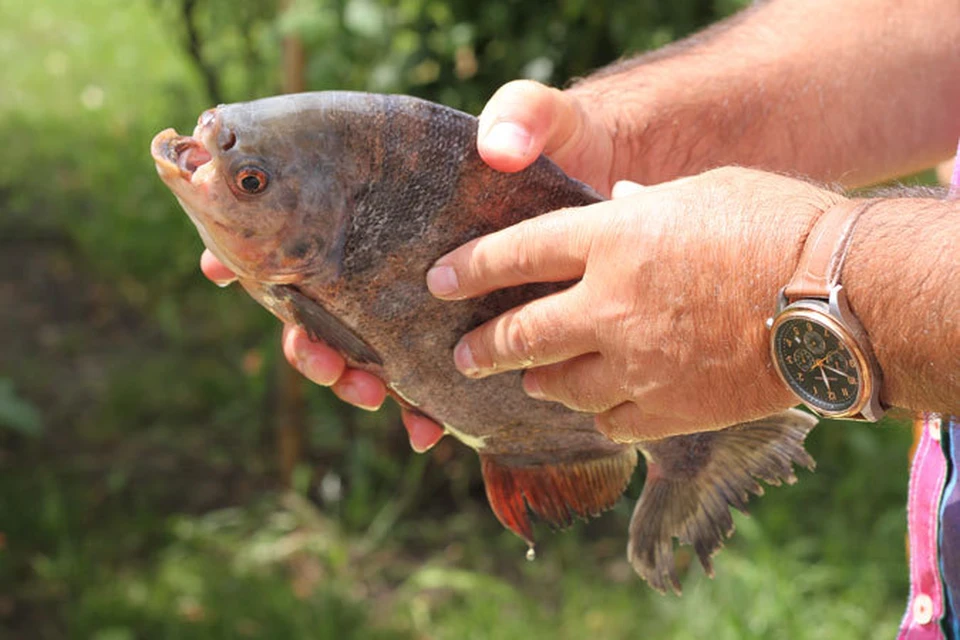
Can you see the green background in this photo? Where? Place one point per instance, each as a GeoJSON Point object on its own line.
{"type": "Point", "coordinates": [139, 488]}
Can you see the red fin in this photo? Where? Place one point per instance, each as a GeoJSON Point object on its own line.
{"type": "Point", "coordinates": [554, 491]}
{"type": "Point", "coordinates": [692, 481]}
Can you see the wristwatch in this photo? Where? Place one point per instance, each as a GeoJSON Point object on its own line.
{"type": "Point", "coordinates": [818, 346]}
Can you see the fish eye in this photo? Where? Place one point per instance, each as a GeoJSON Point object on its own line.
{"type": "Point", "coordinates": [251, 180]}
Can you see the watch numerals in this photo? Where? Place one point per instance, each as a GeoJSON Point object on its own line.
{"type": "Point", "coordinates": [816, 364]}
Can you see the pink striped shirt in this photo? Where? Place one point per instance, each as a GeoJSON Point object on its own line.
{"type": "Point", "coordinates": [924, 618]}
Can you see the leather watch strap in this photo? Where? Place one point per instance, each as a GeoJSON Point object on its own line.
{"type": "Point", "coordinates": [818, 271]}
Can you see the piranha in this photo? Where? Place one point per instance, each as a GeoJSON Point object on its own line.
{"type": "Point", "coordinates": [331, 206]}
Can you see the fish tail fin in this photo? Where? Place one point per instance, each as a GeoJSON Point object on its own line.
{"type": "Point", "coordinates": [556, 489]}
{"type": "Point", "coordinates": [693, 480]}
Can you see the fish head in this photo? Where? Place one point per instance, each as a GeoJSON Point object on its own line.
{"type": "Point", "coordinates": [267, 200]}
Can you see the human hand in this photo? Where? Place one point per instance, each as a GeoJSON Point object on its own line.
{"type": "Point", "coordinates": [525, 118]}
{"type": "Point", "coordinates": [323, 365]}
{"type": "Point", "coordinates": [664, 332]}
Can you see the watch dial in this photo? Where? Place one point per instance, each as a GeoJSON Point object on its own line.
{"type": "Point", "coordinates": [817, 365]}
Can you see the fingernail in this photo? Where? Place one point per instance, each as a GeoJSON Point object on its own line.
{"type": "Point", "coordinates": [351, 393]}
{"type": "Point", "coordinates": [508, 138]}
{"type": "Point", "coordinates": [463, 358]}
{"type": "Point", "coordinates": [442, 281]}
{"type": "Point", "coordinates": [532, 387]}
{"type": "Point", "coordinates": [423, 433]}
{"type": "Point", "coordinates": [224, 283]}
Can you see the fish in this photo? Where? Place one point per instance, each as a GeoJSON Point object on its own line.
{"type": "Point", "coordinates": [331, 206]}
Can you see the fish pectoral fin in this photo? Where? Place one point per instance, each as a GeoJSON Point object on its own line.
{"type": "Point", "coordinates": [323, 325]}
{"type": "Point", "coordinates": [553, 488]}
{"type": "Point", "coordinates": [692, 481]}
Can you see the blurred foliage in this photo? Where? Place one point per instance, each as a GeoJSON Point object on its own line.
{"type": "Point", "coordinates": [148, 504]}
{"type": "Point", "coordinates": [16, 413]}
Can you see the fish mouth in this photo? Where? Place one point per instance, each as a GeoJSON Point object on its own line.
{"type": "Point", "coordinates": [184, 157]}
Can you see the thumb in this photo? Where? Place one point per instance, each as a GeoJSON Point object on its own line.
{"type": "Point", "coordinates": [524, 119]}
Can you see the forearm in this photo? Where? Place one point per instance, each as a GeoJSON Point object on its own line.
{"type": "Point", "coordinates": [852, 92]}
{"type": "Point", "coordinates": [902, 276]}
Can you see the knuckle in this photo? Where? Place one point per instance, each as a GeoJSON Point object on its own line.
{"type": "Point", "coordinates": [608, 427]}
{"type": "Point", "coordinates": [521, 338]}
{"type": "Point", "coordinates": [571, 395]}
{"type": "Point", "coordinates": [506, 257]}
{"type": "Point", "coordinates": [524, 260]}
{"type": "Point", "coordinates": [611, 423]}
{"type": "Point", "coordinates": [582, 393]}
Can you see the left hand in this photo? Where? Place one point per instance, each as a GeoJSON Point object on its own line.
{"type": "Point", "coordinates": [664, 332]}
{"type": "Point", "coordinates": [324, 366]}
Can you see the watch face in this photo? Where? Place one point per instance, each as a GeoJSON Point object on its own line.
{"type": "Point", "coordinates": [816, 363]}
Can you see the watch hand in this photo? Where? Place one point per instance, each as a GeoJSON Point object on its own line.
{"type": "Point", "coordinates": [823, 374]}
{"type": "Point", "coordinates": [837, 371]}
{"type": "Point", "coordinates": [823, 359]}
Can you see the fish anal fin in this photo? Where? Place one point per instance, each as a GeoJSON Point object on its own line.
{"type": "Point", "coordinates": [556, 491]}
{"type": "Point", "coordinates": [692, 481]}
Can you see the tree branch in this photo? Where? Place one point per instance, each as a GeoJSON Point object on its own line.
{"type": "Point", "coordinates": [188, 11]}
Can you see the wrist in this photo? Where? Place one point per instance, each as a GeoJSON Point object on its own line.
{"type": "Point", "coordinates": [795, 220]}
{"type": "Point", "coordinates": [670, 117]}
{"type": "Point", "coordinates": [817, 344]}
{"type": "Point", "coordinates": [900, 280]}
{"type": "Point", "coordinates": [754, 240]}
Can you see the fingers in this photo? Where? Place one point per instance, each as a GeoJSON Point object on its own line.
{"type": "Point", "coordinates": [215, 270]}
{"type": "Point", "coordinates": [323, 365]}
{"type": "Point", "coordinates": [315, 360]}
{"type": "Point", "coordinates": [360, 389]}
{"type": "Point", "coordinates": [550, 248]}
{"type": "Point", "coordinates": [544, 331]}
{"type": "Point", "coordinates": [584, 384]}
{"type": "Point", "coordinates": [422, 431]}
{"type": "Point", "coordinates": [524, 119]}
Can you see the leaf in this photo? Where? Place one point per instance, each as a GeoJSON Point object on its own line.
{"type": "Point", "coordinates": [16, 413]}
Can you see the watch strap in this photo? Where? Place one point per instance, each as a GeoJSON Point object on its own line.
{"type": "Point", "coordinates": [818, 271]}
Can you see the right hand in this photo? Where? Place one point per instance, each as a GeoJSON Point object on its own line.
{"type": "Point", "coordinates": [323, 365]}
{"type": "Point", "coordinates": [525, 118]}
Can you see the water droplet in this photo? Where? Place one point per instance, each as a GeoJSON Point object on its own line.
{"type": "Point", "coordinates": [531, 554]}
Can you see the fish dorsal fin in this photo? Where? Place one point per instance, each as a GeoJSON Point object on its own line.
{"type": "Point", "coordinates": [692, 481]}
{"type": "Point", "coordinates": [323, 325]}
{"type": "Point", "coordinates": [554, 491]}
